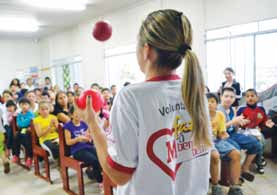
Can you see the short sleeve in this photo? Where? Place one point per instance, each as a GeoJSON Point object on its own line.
{"type": "Point", "coordinates": [67, 125]}
{"type": "Point", "coordinates": [123, 151]}
{"type": "Point", "coordinates": [240, 111]}
{"type": "Point", "coordinates": [84, 125]}
{"type": "Point", "coordinates": [238, 92]}
{"type": "Point", "coordinates": [221, 122]}
{"type": "Point", "coordinates": [264, 115]}
{"type": "Point", "coordinates": [36, 120]}
{"type": "Point", "coordinates": [57, 110]}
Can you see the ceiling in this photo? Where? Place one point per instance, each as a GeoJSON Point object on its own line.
{"type": "Point", "coordinates": [53, 21]}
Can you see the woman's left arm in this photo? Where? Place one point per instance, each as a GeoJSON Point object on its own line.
{"type": "Point", "coordinates": [100, 141]}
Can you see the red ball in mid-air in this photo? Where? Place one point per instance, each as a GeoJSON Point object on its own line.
{"type": "Point", "coordinates": [102, 31]}
{"type": "Point", "coordinates": [96, 98]}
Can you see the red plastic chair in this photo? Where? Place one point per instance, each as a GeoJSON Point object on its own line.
{"type": "Point", "coordinates": [38, 152]}
{"type": "Point", "coordinates": [68, 162]}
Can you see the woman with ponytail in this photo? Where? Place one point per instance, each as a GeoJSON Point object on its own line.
{"type": "Point", "coordinates": [160, 127]}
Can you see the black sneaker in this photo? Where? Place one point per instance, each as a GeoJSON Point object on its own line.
{"type": "Point", "coordinates": [217, 190]}
{"type": "Point", "coordinates": [90, 173]}
{"type": "Point", "coordinates": [248, 176]}
{"type": "Point", "coordinates": [235, 191]}
{"type": "Point", "coordinates": [98, 176]}
{"type": "Point", "coordinates": [261, 163]}
{"type": "Point", "coordinates": [241, 180]}
{"type": "Point", "coordinates": [260, 170]}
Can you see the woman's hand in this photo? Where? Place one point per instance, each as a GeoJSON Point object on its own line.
{"type": "Point", "coordinates": [100, 142]}
{"type": "Point", "coordinates": [88, 114]}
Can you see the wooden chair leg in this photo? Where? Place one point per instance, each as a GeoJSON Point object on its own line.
{"type": "Point", "coordinates": [47, 169]}
{"type": "Point", "coordinates": [65, 178]}
{"type": "Point", "coordinates": [36, 165]}
{"type": "Point", "coordinates": [80, 181]}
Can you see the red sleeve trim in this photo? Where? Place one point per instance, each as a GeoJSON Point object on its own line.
{"type": "Point", "coordinates": [165, 78]}
{"type": "Point", "coordinates": [119, 167]}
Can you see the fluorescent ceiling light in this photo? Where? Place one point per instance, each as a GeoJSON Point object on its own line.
{"type": "Point", "coordinates": [72, 5]}
{"type": "Point", "coordinates": [18, 24]}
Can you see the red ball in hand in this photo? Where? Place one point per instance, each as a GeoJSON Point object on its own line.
{"type": "Point", "coordinates": [96, 98]}
{"type": "Point", "coordinates": [102, 31]}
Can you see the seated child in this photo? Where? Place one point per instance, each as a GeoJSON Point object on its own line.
{"type": "Point", "coordinates": [77, 137]}
{"type": "Point", "coordinates": [7, 96]}
{"type": "Point", "coordinates": [23, 135]}
{"type": "Point", "coordinates": [223, 149]}
{"type": "Point", "coordinates": [257, 121]}
{"type": "Point", "coordinates": [239, 140]}
{"type": "Point", "coordinates": [3, 156]}
{"type": "Point", "coordinates": [46, 126]}
{"type": "Point", "coordinates": [11, 113]}
{"type": "Point", "coordinates": [107, 98]}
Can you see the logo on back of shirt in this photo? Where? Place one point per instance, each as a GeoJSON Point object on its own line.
{"type": "Point", "coordinates": [171, 108]}
{"type": "Point", "coordinates": [176, 146]}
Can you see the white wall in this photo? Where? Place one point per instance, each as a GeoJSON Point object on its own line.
{"type": "Point", "coordinates": [78, 40]}
{"type": "Point", "coordinates": [221, 13]}
{"type": "Point", "coordinates": [14, 55]}
{"type": "Point", "coordinates": [203, 14]}
{"type": "Point", "coordinates": [125, 23]}
{"type": "Point", "coordinates": [194, 10]}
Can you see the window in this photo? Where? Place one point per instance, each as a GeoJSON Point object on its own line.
{"type": "Point", "coordinates": [268, 25]}
{"type": "Point", "coordinates": [242, 61]}
{"type": "Point", "coordinates": [248, 49]}
{"type": "Point", "coordinates": [67, 72]}
{"type": "Point", "coordinates": [218, 53]}
{"type": "Point", "coordinates": [121, 65]}
{"type": "Point", "coordinates": [266, 64]}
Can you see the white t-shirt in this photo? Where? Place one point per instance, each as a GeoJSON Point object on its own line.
{"type": "Point", "coordinates": [4, 114]}
{"type": "Point", "coordinates": [2, 129]}
{"type": "Point", "coordinates": [163, 162]}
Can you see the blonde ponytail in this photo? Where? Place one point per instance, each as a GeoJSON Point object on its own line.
{"type": "Point", "coordinates": [169, 32]}
{"type": "Point", "coordinates": [193, 92]}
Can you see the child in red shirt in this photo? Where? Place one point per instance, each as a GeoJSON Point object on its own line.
{"type": "Point", "coordinates": [257, 121]}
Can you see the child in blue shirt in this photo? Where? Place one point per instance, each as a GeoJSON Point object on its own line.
{"type": "Point", "coordinates": [240, 141]}
{"type": "Point", "coordinates": [23, 135]}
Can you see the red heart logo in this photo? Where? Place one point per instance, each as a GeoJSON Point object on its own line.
{"type": "Point", "coordinates": [150, 152]}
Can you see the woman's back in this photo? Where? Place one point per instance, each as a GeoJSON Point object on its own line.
{"type": "Point", "coordinates": [152, 130]}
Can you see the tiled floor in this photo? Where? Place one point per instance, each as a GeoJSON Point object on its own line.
{"type": "Point", "coordinates": [21, 182]}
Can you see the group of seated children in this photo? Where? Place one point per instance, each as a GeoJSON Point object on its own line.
{"type": "Point", "coordinates": [234, 131]}
{"type": "Point", "coordinates": [46, 117]}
